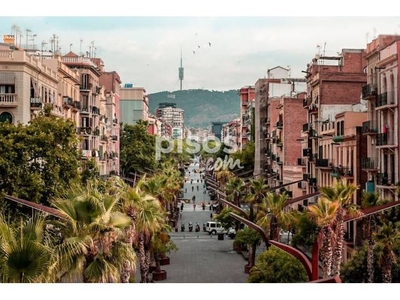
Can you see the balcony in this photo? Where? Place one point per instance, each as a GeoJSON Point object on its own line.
{"type": "Point", "coordinates": [385, 100]}
{"type": "Point", "coordinates": [274, 139]}
{"type": "Point", "coordinates": [338, 138]}
{"type": "Point", "coordinates": [86, 87]}
{"type": "Point", "coordinates": [279, 143]}
{"type": "Point", "coordinates": [84, 110]}
{"type": "Point", "coordinates": [340, 171]}
{"type": "Point", "coordinates": [301, 185]}
{"type": "Point", "coordinates": [77, 105]}
{"type": "Point", "coordinates": [115, 121]}
{"type": "Point", "coordinates": [95, 110]}
{"type": "Point", "coordinates": [321, 163]}
{"type": "Point", "coordinates": [306, 152]}
{"type": "Point", "coordinates": [312, 181]}
{"type": "Point", "coordinates": [96, 132]}
{"type": "Point", "coordinates": [273, 156]}
{"type": "Point", "coordinates": [306, 127]}
{"type": "Point", "coordinates": [36, 103]}
{"type": "Point", "coordinates": [267, 135]}
{"type": "Point", "coordinates": [68, 101]}
{"type": "Point", "coordinates": [369, 164]}
{"type": "Point", "coordinates": [104, 138]}
{"type": "Point", "coordinates": [369, 92]}
{"type": "Point", "coordinates": [279, 125]}
{"type": "Point", "coordinates": [381, 139]}
{"type": "Point", "coordinates": [278, 160]}
{"type": "Point", "coordinates": [306, 102]}
{"type": "Point", "coordinates": [369, 128]}
{"type": "Point", "coordinates": [385, 179]}
{"type": "Point", "coordinates": [312, 134]}
{"type": "Point", "coordinates": [301, 162]}
{"type": "Point", "coordinates": [313, 109]}
{"type": "Point", "coordinates": [114, 138]}
{"type": "Point", "coordinates": [8, 100]}
{"type": "Point", "coordinates": [266, 121]}
{"type": "Point", "coordinates": [305, 177]}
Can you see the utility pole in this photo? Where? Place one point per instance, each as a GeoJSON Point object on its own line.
{"type": "Point", "coordinates": [27, 34]}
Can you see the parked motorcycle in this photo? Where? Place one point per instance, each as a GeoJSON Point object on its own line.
{"type": "Point", "coordinates": [183, 227]}
{"type": "Point", "coordinates": [197, 229]}
{"type": "Point", "coordinates": [190, 226]}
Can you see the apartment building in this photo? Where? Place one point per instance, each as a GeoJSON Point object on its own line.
{"type": "Point", "coordinates": [247, 99]}
{"type": "Point", "coordinates": [231, 134]}
{"type": "Point", "coordinates": [174, 116]}
{"type": "Point", "coordinates": [26, 84]}
{"type": "Point", "coordinates": [333, 86]}
{"type": "Point", "coordinates": [267, 98]}
{"type": "Point", "coordinates": [154, 127]}
{"type": "Point", "coordinates": [134, 104]}
{"type": "Point", "coordinates": [382, 127]}
{"type": "Point", "coordinates": [282, 144]}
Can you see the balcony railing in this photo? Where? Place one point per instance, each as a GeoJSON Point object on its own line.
{"type": "Point", "coordinates": [36, 103]}
{"type": "Point", "coordinates": [369, 163]}
{"type": "Point", "coordinates": [341, 172]}
{"type": "Point", "coordinates": [95, 110]}
{"type": "Point", "coordinates": [385, 179]}
{"type": "Point", "coordinates": [368, 92]}
{"type": "Point", "coordinates": [306, 127]}
{"type": "Point", "coordinates": [386, 98]}
{"type": "Point", "coordinates": [306, 152]}
{"type": "Point", "coordinates": [279, 124]}
{"type": "Point", "coordinates": [301, 162]}
{"type": "Point", "coordinates": [68, 101]}
{"type": "Point", "coordinates": [321, 162]}
{"type": "Point", "coordinates": [382, 139]}
{"type": "Point", "coordinates": [8, 100]}
{"type": "Point", "coordinates": [369, 127]}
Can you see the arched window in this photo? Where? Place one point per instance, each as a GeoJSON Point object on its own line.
{"type": "Point", "coordinates": [6, 116]}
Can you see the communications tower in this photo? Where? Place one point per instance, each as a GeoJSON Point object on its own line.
{"type": "Point", "coordinates": [181, 72]}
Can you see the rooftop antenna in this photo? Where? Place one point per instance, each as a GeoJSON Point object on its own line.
{"type": "Point", "coordinates": [43, 43]}
{"type": "Point", "coordinates": [70, 46]}
{"type": "Point", "coordinates": [27, 33]}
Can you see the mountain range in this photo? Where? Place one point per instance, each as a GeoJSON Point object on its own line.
{"type": "Point", "coordinates": [201, 106]}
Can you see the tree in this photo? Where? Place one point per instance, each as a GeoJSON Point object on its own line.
{"type": "Point", "coordinates": [38, 159]}
{"type": "Point", "coordinates": [93, 247]}
{"type": "Point", "coordinates": [370, 200]}
{"type": "Point", "coordinates": [324, 213]}
{"type": "Point", "coordinates": [26, 252]}
{"type": "Point", "coordinates": [355, 270]}
{"type": "Point", "coordinates": [137, 149]}
{"type": "Point", "coordinates": [276, 266]}
{"type": "Point", "coordinates": [387, 237]}
{"type": "Point", "coordinates": [148, 216]}
{"type": "Point", "coordinates": [251, 238]}
{"type": "Point", "coordinates": [341, 193]}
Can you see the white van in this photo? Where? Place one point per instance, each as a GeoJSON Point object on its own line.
{"type": "Point", "coordinates": [214, 227]}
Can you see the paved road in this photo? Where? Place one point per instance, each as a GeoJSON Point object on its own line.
{"type": "Point", "coordinates": [201, 258]}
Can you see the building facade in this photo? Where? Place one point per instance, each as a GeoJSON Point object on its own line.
{"type": "Point", "coordinates": [134, 104]}
{"type": "Point", "coordinates": [174, 117]}
{"type": "Point", "coordinates": [247, 99]}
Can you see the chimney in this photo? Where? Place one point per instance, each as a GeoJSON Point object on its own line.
{"type": "Point", "coordinates": [9, 39]}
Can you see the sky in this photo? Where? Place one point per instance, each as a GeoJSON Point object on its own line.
{"type": "Point", "coordinates": [220, 52]}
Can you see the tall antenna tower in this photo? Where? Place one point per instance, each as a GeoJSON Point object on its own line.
{"type": "Point", "coordinates": [181, 72]}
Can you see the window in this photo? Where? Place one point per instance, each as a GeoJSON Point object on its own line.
{"type": "Point", "coordinates": [6, 116]}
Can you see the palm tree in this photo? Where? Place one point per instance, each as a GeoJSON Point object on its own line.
{"type": "Point", "coordinates": [93, 247]}
{"type": "Point", "coordinates": [275, 214]}
{"type": "Point", "coordinates": [324, 213]}
{"type": "Point", "coordinates": [341, 193]}
{"type": "Point", "coordinates": [26, 252]}
{"type": "Point", "coordinates": [370, 200]}
{"type": "Point", "coordinates": [148, 216]}
{"type": "Point", "coordinates": [387, 237]}
{"type": "Point", "coordinates": [234, 190]}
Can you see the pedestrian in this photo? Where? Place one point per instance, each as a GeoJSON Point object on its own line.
{"type": "Point", "coordinates": [211, 215]}
{"type": "Point", "coordinates": [194, 198]}
{"type": "Point", "coordinates": [197, 187]}
{"type": "Point", "coordinates": [185, 190]}
{"type": "Point", "coordinates": [182, 206]}
{"type": "Point", "coordinates": [191, 181]}
{"type": "Point", "coordinates": [192, 188]}
{"type": "Point", "coordinates": [180, 215]}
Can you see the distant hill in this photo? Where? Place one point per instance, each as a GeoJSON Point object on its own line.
{"type": "Point", "coordinates": [201, 106]}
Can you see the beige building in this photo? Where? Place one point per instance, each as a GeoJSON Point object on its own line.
{"type": "Point", "coordinates": [26, 85]}
{"type": "Point", "coordinates": [382, 127]}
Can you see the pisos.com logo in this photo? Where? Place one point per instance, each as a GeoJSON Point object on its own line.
{"type": "Point", "coordinates": [210, 145]}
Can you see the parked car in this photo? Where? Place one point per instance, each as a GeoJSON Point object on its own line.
{"type": "Point", "coordinates": [214, 227]}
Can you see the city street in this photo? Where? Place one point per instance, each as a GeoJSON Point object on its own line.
{"type": "Point", "coordinates": [201, 257]}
